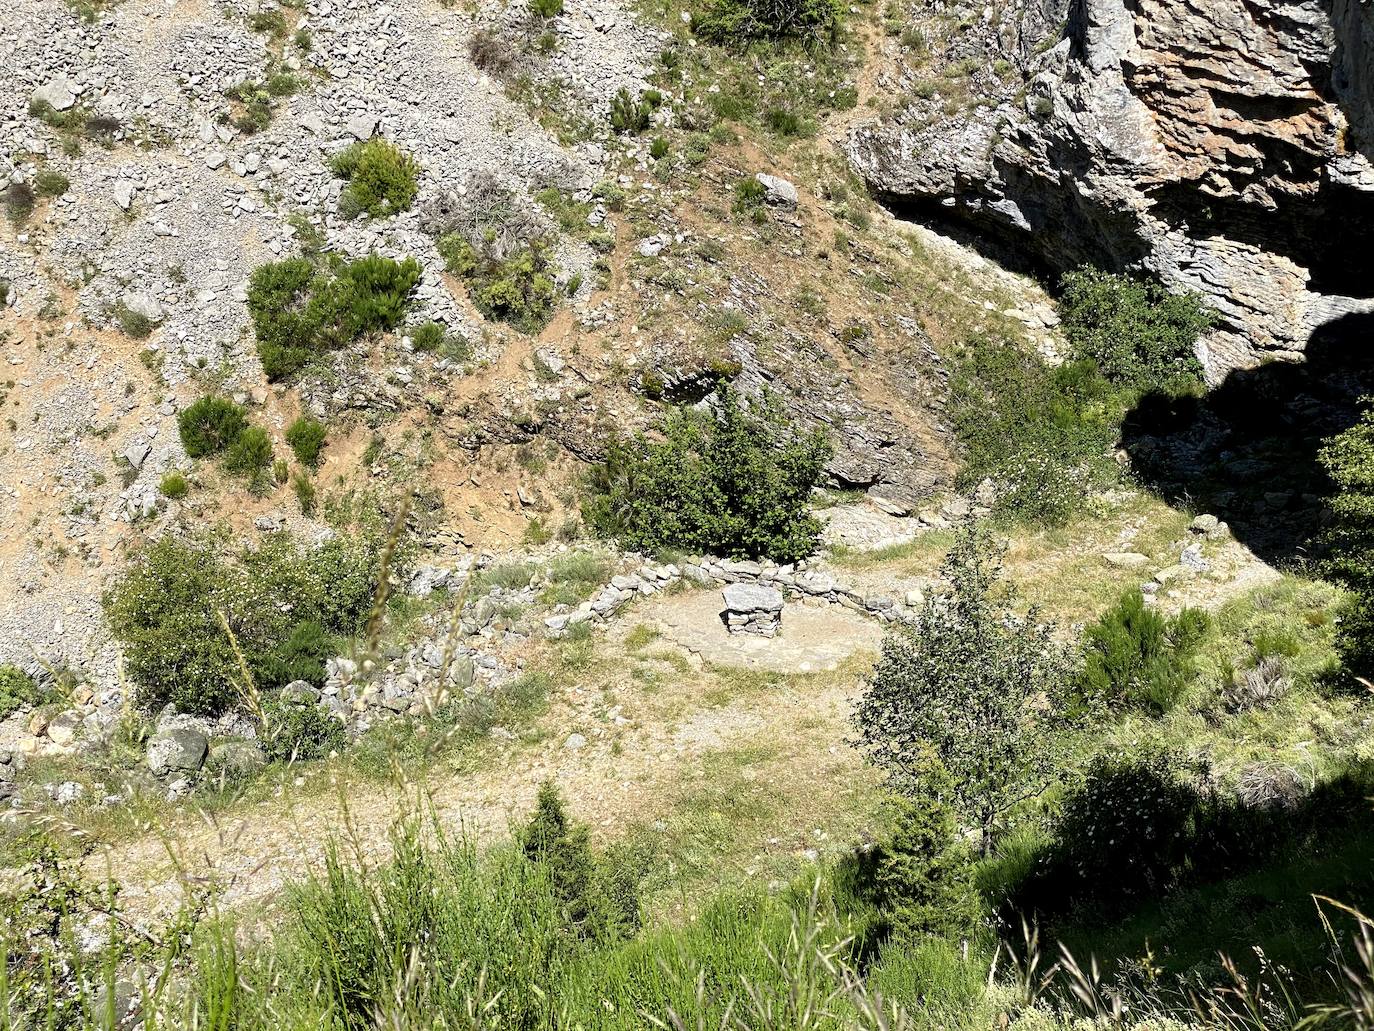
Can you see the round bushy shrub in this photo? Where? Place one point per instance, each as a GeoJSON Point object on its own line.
{"type": "Point", "coordinates": [285, 606]}
{"type": "Point", "coordinates": [299, 729]}
{"type": "Point", "coordinates": [381, 179]}
{"type": "Point", "coordinates": [306, 437]}
{"type": "Point", "coordinates": [732, 482]}
{"type": "Point", "coordinates": [736, 21]}
{"type": "Point", "coordinates": [210, 426]}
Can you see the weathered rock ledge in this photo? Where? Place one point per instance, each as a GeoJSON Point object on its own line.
{"type": "Point", "coordinates": [1224, 145]}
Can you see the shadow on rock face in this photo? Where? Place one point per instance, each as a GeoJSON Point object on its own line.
{"type": "Point", "coordinates": [1247, 451]}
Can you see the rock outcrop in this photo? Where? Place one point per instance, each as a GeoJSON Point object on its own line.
{"type": "Point", "coordinates": [1224, 145]}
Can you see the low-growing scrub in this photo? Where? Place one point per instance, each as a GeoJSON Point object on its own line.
{"type": "Point", "coordinates": [517, 288]}
{"type": "Point", "coordinates": [1135, 655]}
{"type": "Point", "coordinates": [738, 21]}
{"type": "Point", "coordinates": [301, 310]}
{"type": "Point", "coordinates": [17, 689]}
{"type": "Point", "coordinates": [306, 437]}
{"type": "Point", "coordinates": [732, 481]}
{"type": "Point", "coordinates": [381, 179]}
{"type": "Point", "coordinates": [1349, 460]}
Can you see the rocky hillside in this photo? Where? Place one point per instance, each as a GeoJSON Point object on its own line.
{"type": "Point", "coordinates": [1225, 146]}
{"type": "Point", "coordinates": [157, 155]}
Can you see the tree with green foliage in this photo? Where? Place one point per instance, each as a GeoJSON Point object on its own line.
{"type": "Point", "coordinates": [1138, 333]}
{"type": "Point", "coordinates": [1348, 459]}
{"type": "Point", "coordinates": [1136, 655]}
{"type": "Point", "coordinates": [732, 481]}
{"type": "Point", "coordinates": [973, 682]}
{"type": "Point", "coordinates": [923, 875]}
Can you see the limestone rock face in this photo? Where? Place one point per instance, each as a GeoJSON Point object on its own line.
{"type": "Point", "coordinates": [1224, 145]}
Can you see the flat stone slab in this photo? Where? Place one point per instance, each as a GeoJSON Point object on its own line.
{"type": "Point", "coordinates": [814, 639]}
{"type": "Point", "coordinates": [746, 597]}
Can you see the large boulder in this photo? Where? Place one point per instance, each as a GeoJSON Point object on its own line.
{"type": "Point", "coordinates": [177, 750]}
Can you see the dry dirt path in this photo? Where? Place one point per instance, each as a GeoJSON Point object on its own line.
{"type": "Point", "coordinates": [637, 726]}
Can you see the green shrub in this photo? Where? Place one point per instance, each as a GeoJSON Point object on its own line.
{"type": "Point", "coordinates": [546, 8]}
{"type": "Point", "coordinates": [1126, 830]}
{"type": "Point", "coordinates": [133, 323]}
{"type": "Point", "coordinates": [737, 21]}
{"type": "Point", "coordinates": [49, 182]}
{"type": "Point", "coordinates": [278, 600]}
{"type": "Point", "coordinates": [300, 311]}
{"type": "Point", "coordinates": [596, 900]}
{"type": "Point", "coordinates": [630, 115]}
{"type": "Point", "coordinates": [20, 201]}
{"type": "Point", "coordinates": [174, 485]}
{"type": "Point", "coordinates": [518, 289]}
{"type": "Point", "coordinates": [381, 179]}
{"type": "Point", "coordinates": [1044, 434]}
{"type": "Point", "coordinates": [210, 426]}
{"type": "Point", "coordinates": [730, 482]}
{"type": "Point", "coordinates": [305, 492]}
{"type": "Point", "coordinates": [658, 148]}
{"type": "Point", "coordinates": [749, 195]}
{"type": "Point", "coordinates": [1348, 459]}
{"type": "Point", "coordinates": [1136, 656]}
{"type": "Point", "coordinates": [251, 454]}
{"type": "Point", "coordinates": [300, 730]}
{"type": "Point", "coordinates": [923, 875]}
{"type": "Point", "coordinates": [17, 689]}
{"type": "Point", "coordinates": [306, 438]}
{"type": "Point", "coordinates": [1138, 333]}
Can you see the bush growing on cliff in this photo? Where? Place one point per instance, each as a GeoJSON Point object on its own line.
{"type": "Point", "coordinates": [306, 437]}
{"type": "Point", "coordinates": [287, 609]}
{"type": "Point", "coordinates": [210, 426]}
{"type": "Point", "coordinates": [17, 689]}
{"type": "Point", "coordinates": [1043, 433]}
{"type": "Point", "coordinates": [733, 481]}
{"type": "Point", "coordinates": [1140, 335]}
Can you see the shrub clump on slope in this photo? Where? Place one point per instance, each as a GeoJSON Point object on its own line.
{"type": "Point", "coordinates": [732, 481]}
{"type": "Point", "coordinates": [301, 310]}
{"type": "Point", "coordinates": [286, 607]}
{"type": "Point", "coordinates": [735, 21]}
{"type": "Point", "coordinates": [381, 179]}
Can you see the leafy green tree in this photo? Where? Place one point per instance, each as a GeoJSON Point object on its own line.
{"type": "Point", "coordinates": [732, 481]}
{"type": "Point", "coordinates": [1137, 332]}
{"type": "Point", "coordinates": [1348, 458]}
{"type": "Point", "coordinates": [286, 608]}
{"type": "Point", "coordinates": [974, 683]}
{"type": "Point", "coordinates": [1135, 654]}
